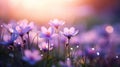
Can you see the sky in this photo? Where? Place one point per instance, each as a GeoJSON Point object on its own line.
{"type": "Point", "coordinates": [72, 11]}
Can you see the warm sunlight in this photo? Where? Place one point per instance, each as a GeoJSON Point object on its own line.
{"type": "Point", "coordinates": [43, 10]}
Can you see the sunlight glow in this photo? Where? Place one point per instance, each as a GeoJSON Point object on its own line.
{"type": "Point", "coordinates": [43, 10]}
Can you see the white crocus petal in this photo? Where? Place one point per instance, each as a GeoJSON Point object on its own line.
{"type": "Point", "coordinates": [69, 32]}
{"type": "Point", "coordinates": [43, 29]}
{"type": "Point", "coordinates": [66, 30]}
{"type": "Point", "coordinates": [50, 30]}
{"type": "Point", "coordinates": [56, 23]}
{"type": "Point", "coordinates": [23, 23]}
{"type": "Point", "coordinates": [18, 29]}
{"type": "Point", "coordinates": [47, 33]}
{"type": "Point", "coordinates": [72, 30]}
{"type": "Point", "coordinates": [76, 32]}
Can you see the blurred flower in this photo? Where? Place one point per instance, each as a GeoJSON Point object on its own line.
{"type": "Point", "coordinates": [32, 56]}
{"type": "Point", "coordinates": [56, 23]}
{"type": "Point", "coordinates": [89, 37]}
{"type": "Point", "coordinates": [23, 27]}
{"type": "Point", "coordinates": [44, 46]}
{"type": "Point", "coordinates": [46, 33]}
{"type": "Point", "coordinates": [10, 27]}
{"type": "Point", "coordinates": [70, 32]}
{"type": "Point", "coordinates": [9, 40]}
{"type": "Point", "coordinates": [67, 63]}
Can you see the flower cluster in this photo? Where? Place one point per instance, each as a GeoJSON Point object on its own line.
{"type": "Point", "coordinates": [55, 46]}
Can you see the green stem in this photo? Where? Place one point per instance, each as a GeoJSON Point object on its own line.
{"type": "Point", "coordinates": [58, 42]}
{"type": "Point", "coordinates": [28, 45]}
{"type": "Point", "coordinates": [68, 48]}
{"type": "Point", "coordinates": [47, 63]}
{"type": "Point", "coordinates": [22, 46]}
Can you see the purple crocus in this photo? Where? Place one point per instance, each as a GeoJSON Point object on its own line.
{"type": "Point", "coordinates": [10, 27]}
{"type": "Point", "coordinates": [56, 23]}
{"type": "Point", "coordinates": [9, 35]}
{"type": "Point", "coordinates": [24, 27]}
{"type": "Point", "coordinates": [70, 32]}
{"type": "Point", "coordinates": [32, 56]}
{"type": "Point", "coordinates": [9, 41]}
{"type": "Point", "coordinates": [46, 33]}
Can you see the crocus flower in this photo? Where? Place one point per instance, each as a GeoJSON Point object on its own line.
{"type": "Point", "coordinates": [70, 32]}
{"type": "Point", "coordinates": [32, 56]}
{"type": "Point", "coordinates": [47, 33]}
{"type": "Point", "coordinates": [89, 37]}
{"type": "Point", "coordinates": [56, 23]}
{"type": "Point", "coordinates": [44, 46]}
{"type": "Point", "coordinates": [9, 40]}
{"type": "Point", "coordinates": [23, 27]}
{"type": "Point", "coordinates": [10, 27]}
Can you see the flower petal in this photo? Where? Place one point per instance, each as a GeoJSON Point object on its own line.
{"type": "Point", "coordinates": [43, 29]}
{"type": "Point", "coordinates": [50, 30]}
{"type": "Point", "coordinates": [27, 53]}
{"type": "Point", "coordinates": [76, 32]}
{"type": "Point", "coordinates": [66, 30]}
{"type": "Point", "coordinates": [72, 30]}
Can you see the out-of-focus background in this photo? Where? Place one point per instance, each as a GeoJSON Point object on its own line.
{"type": "Point", "coordinates": [72, 11]}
